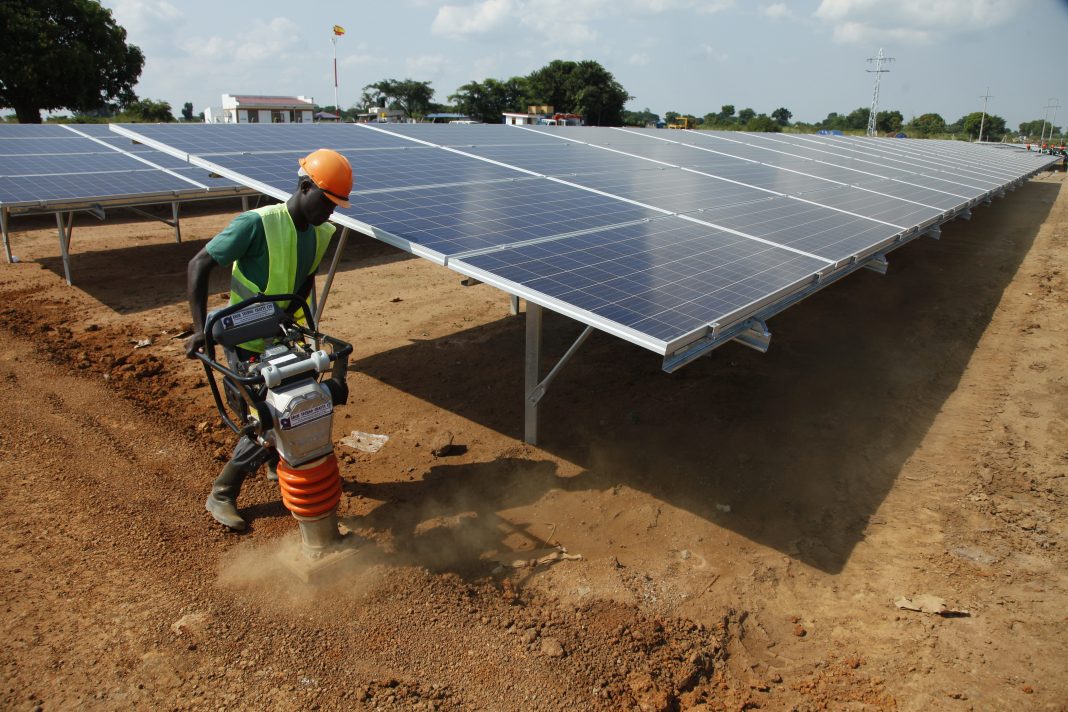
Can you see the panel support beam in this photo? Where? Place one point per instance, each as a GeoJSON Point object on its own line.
{"type": "Point", "coordinates": [513, 305]}
{"type": "Point", "coordinates": [7, 238]}
{"type": "Point", "coordinates": [755, 336]}
{"type": "Point", "coordinates": [935, 233]}
{"type": "Point", "coordinates": [65, 228]}
{"type": "Point", "coordinates": [533, 389]}
{"type": "Point", "coordinates": [878, 264]}
{"type": "Point", "coordinates": [530, 374]}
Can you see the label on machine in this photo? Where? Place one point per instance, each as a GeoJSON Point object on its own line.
{"type": "Point", "coordinates": [256, 312]}
{"type": "Point", "coordinates": [306, 416]}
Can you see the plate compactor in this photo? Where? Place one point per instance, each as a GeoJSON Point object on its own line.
{"type": "Point", "coordinates": [280, 400]}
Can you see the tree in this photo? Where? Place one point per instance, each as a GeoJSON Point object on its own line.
{"type": "Point", "coordinates": [927, 125]}
{"type": "Point", "coordinates": [993, 126]}
{"type": "Point", "coordinates": [726, 114]}
{"type": "Point", "coordinates": [1034, 129]}
{"type": "Point", "coordinates": [763, 122]}
{"type": "Point", "coordinates": [745, 116]}
{"type": "Point", "coordinates": [408, 95]}
{"type": "Point", "coordinates": [149, 111]}
{"type": "Point", "coordinates": [486, 101]}
{"type": "Point", "coordinates": [670, 116]}
{"type": "Point", "coordinates": [64, 54]}
{"type": "Point", "coordinates": [645, 117]}
{"type": "Point", "coordinates": [888, 121]}
{"type": "Point", "coordinates": [782, 116]}
{"type": "Point", "coordinates": [584, 88]}
{"type": "Point", "coordinates": [858, 118]}
{"type": "Point", "coordinates": [187, 111]}
{"type": "Point", "coordinates": [835, 122]}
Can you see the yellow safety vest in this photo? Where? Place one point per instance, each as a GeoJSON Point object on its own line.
{"type": "Point", "coordinates": [281, 237]}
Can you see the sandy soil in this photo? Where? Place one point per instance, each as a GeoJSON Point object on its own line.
{"type": "Point", "coordinates": [746, 524]}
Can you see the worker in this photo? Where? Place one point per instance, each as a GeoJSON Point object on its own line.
{"type": "Point", "coordinates": [261, 244]}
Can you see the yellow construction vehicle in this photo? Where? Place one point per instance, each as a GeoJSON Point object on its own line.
{"type": "Point", "coordinates": [681, 122]}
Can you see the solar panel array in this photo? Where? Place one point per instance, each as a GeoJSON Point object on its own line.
{"type": "Point", "coordinates": [664, 238]}
{"type": "Point", "coordinates": [45, 166]}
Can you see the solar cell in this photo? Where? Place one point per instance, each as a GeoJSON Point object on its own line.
{"type": "Point", "coordinates": [456, 219]}
{"type": "Point", "coordinates": [660, 280]}
{"type": "Point", "coordinates": [803, 226]}
{"type": "Point", "coordinates": [391, 168]}
{"type": "Point", "coordinates": [214, 139]}
{"type": "Point", "coordinates": [670, 188]}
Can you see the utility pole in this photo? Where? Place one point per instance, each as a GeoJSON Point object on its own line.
{"type": "Point", "coordinates": [1045, 120]}
{"type": "Point", "coordinates": [878, 71]}
{"type": "Point", "coordinates": [982, 121]}
{"type": "Point", "coordinates": [1053, 121]}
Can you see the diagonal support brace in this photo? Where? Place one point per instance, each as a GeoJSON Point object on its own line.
{"type": "Point", "coordinates": [535, 390]}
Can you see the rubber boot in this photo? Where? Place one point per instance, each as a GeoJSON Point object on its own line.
{"type": "Point", "coordinates": [222, 502]}
{"type": "Point", "coordinates": [272, 470]}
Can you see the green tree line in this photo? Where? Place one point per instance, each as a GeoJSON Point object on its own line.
{"type": "Point", "coordinates": [584, 88]}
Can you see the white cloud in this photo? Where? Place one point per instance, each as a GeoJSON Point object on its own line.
{"type": "Point", "coordinates": [361, 60]}
{"type": "Point", "coordinates": [640, 59]}
{"type": "Point", "coordinates": [778, 11]}
{"type": "Point", "coordinates": [557, 22]}
{"type": "Point", "coordinates": [913, 21]}
{"type": "Point", "coordinates": [476, 19]}
{"type": "Point", "coordinates": [276, 39]}
{"type": "Point", "coordinates": [425, 66]}
{"type": "Point", "coordinates": [713, 54]}
{"type": "Point", "coordinates": [142, 16]}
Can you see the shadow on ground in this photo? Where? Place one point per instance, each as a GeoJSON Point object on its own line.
{"type": "Point", "coordinates": [130, 280]}
{"type": "Point", "coordinates": [804, 442]}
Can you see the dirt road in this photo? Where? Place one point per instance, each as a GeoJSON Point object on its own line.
{"type": "Point", "coordinates": [747, 525]}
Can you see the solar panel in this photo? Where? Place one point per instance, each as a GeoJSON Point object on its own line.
{"type": "Point", "coordinates": [651, 282]}
{"type": "Point", "coordinates": [45, 165]}
{"type": "Point", "coordinates": [61, 168]}
{"type": "Point", "coordinates": [666, 239]}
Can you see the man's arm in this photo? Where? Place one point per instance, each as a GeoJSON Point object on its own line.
{"type": "Point", "coordinates": [197, 292]}
{"type": "Point", "coordinates": [303, 291]}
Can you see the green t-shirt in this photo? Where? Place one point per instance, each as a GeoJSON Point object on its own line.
{"type": "Point", "coordinates": [245, 242]}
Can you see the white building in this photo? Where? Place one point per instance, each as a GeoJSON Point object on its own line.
{"type": "Point", "coordinates": [260, 109]}
{"type": "Point", "coordinates": [514, 119]}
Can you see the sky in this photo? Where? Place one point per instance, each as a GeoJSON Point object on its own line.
{"type": "Point", "coordinates": [688, 56]}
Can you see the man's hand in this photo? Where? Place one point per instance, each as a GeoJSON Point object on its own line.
{"type": "Point", "coordinates": [194, 344]}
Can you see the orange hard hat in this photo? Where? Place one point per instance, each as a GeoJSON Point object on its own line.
{"type": "Point", "coordinates": [331, 172]}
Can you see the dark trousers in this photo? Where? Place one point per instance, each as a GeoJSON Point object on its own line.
{"type": "Point", "coordinates": [248, 454]}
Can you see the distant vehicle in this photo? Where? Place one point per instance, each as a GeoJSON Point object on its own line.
{"type": "Point", "coordinates": [682, 122]}
{"type": "Point", "coordinates": [561, 120]}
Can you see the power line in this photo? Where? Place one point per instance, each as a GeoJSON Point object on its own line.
{"type": "Point", "coordinates": [878, 71]}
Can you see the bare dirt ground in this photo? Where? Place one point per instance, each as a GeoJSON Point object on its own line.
{"type": "Point", "coordinates": [746, 524]}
